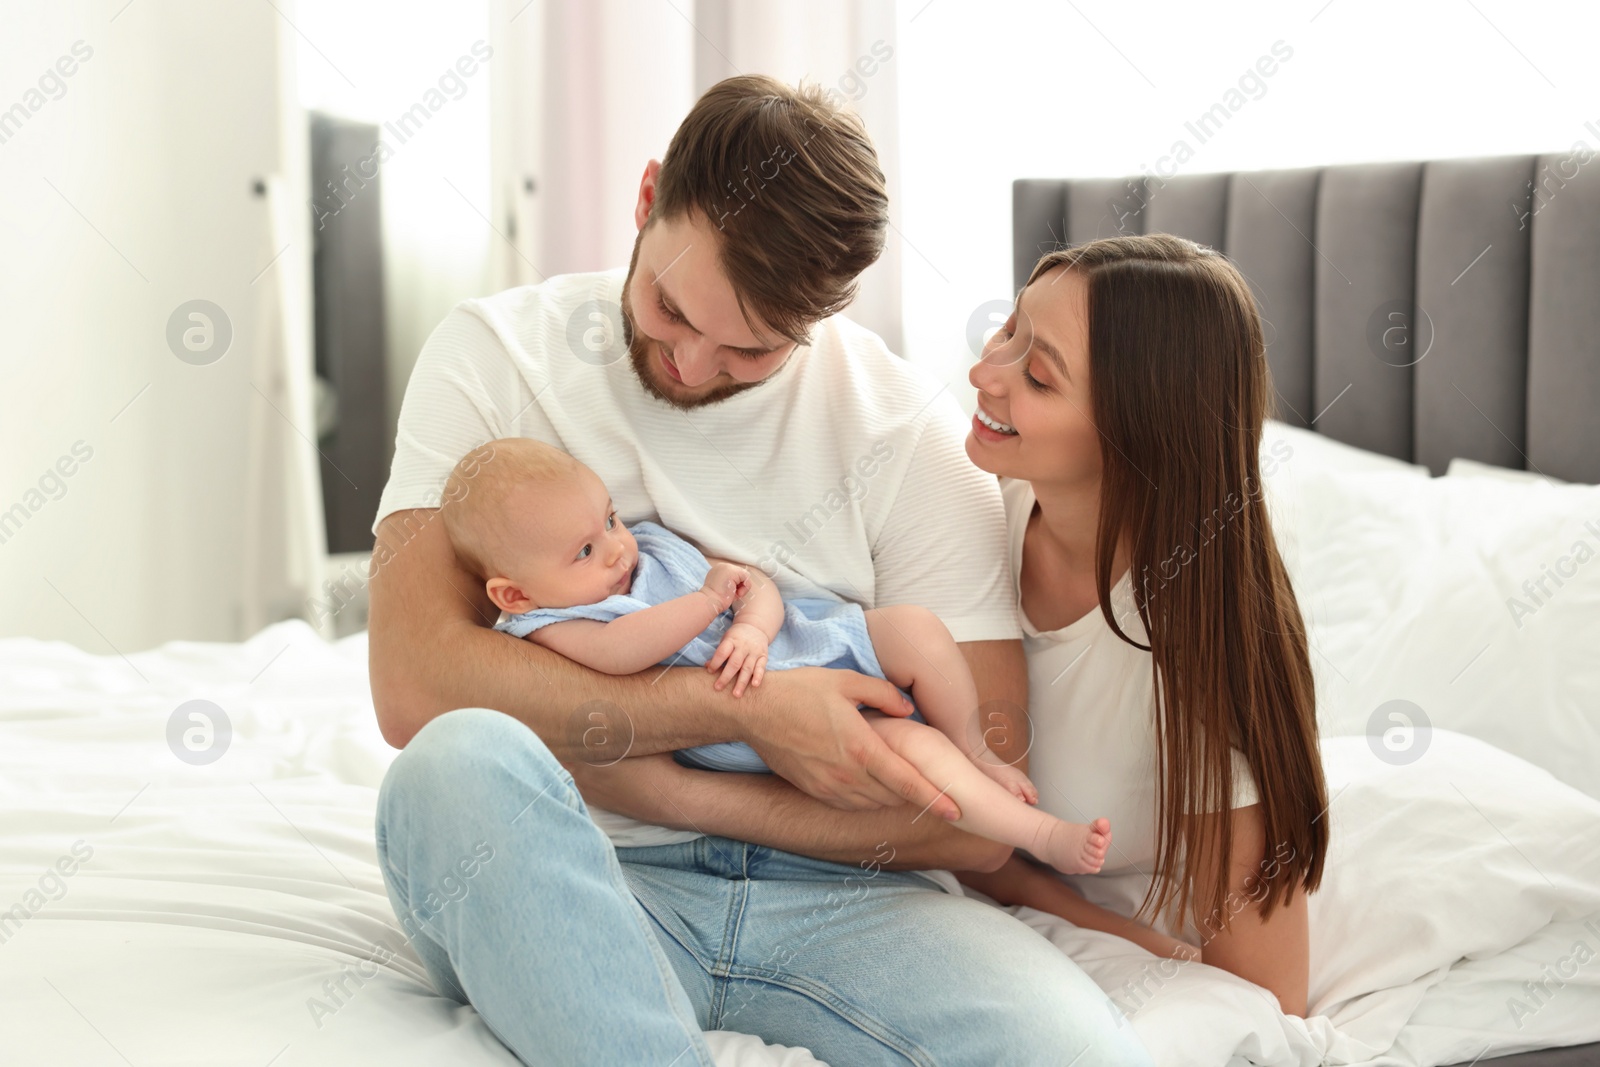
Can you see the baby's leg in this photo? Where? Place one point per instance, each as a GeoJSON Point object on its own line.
{"type": "Point", "coordinates": [988, 809]}
{"type": "Point", "coordinates": [917, 653]}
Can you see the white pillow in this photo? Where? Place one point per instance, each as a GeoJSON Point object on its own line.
{"type": "Point", "coordinates": [1324, 453]}
{"type": "Point", "coordinates": [1471, 468]}
{"type": "Point", "coordinates": [1414, 589]}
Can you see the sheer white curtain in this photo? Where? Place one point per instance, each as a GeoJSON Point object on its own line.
{"type": "Point", "coordinates": [591, 90]}
{"type": "Point", "coordinates": [285, 540]}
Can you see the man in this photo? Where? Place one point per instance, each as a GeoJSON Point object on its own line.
{"type": "Point", "coordinates": [714, 390]}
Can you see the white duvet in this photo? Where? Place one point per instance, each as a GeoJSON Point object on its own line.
{"type": "Point", "coordinates": [158, 912]}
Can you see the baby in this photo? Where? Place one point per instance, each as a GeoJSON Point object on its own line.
{"type": "Point", "coordinates": [539, 528]}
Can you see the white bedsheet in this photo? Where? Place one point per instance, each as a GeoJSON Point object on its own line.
{"type": "Point", "coordinates": [222, 904]}
{"type": "Point", "coordinates": [1419, 878]}
{"type": "Point", "coordinates": [226, 914]}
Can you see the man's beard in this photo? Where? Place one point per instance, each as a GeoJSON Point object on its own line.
{"type": "Point", "coordinates": [643, 359]}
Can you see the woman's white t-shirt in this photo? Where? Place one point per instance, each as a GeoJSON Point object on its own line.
{"type": "Point", "coordinates": [1091, 697]}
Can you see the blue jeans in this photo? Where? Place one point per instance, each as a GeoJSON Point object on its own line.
{"type": "Point", "coordinates": [575, 952]}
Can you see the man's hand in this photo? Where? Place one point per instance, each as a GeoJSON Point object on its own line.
{"type": "Point", "coordinates": [725, 583]}
{"type": "Point", "coordinates": [742, 657]}
{"type": "Point", "coordinates": [807, 726]}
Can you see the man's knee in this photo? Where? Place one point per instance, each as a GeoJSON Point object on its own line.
{"type": "Point", "coordinates": [467, 728]}
{"type": "Point", "coordinates": [470, 749]}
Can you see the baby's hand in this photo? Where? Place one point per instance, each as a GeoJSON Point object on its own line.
{"type": "Point", "coordinates": [726, 583]}
{"type": "Point", "coordinates": [742, 656]}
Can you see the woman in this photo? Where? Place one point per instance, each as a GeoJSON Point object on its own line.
{"type": "Point", "coordinates": [1122, 406]}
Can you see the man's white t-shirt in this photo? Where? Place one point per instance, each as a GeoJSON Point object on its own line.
{"type": "Point", "coordinates": [843, 473]}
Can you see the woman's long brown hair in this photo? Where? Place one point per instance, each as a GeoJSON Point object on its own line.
{"type": "Point", "coordinates": [1178, 376]}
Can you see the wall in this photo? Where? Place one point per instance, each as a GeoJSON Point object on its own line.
{"type": "Point", "coordinates": [1013, 88]}
{"type": "Point", "coordinates": [120, 200]}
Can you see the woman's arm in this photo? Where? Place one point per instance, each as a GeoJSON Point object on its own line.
{"type": "Point", "coordinates": [1022, 882]}
{"type": "Point", "coordinates": [1274, 953]}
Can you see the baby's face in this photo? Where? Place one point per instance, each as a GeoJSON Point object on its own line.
{"type": "Point", "coordinates": [574, 549]}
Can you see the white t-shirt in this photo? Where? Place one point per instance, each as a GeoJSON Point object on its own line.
{"type": "Point", "coordinates": [842, 474]}
{"type": "Point", "coordinates": [1091, 697]}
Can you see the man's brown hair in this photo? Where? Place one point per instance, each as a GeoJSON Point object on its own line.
{"type": "Point", "coordinates": [791, 181]}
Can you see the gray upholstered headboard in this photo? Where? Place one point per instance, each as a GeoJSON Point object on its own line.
{"type": "Point", "coordinates": [1422, 310]}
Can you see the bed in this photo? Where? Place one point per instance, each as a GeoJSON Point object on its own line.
{"type": "Point", "coordinates": [187, 870]}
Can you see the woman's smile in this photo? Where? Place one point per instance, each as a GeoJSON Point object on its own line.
{"type": "Point", "coordinates": [985, 427]}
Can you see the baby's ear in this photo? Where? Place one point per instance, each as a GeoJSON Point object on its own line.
{"type": "Point", "coordinates": [508, 596]}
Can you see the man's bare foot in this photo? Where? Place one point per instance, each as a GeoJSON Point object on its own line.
{"type": "Point", "coordinates": [1017, 783]}
{"type": "Point", "coordinates": [1073, 848]}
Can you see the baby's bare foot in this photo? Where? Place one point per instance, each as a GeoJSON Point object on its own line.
{"type": "Point", "coordinates": [1019, 784]}
{"type": "Point", "coordinates": [1073, 848]}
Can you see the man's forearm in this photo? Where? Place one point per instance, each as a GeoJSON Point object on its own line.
{"type": "Point", "coordinates": [766, 810]}
{"type": "Point", "coordinates": [581, 714]}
